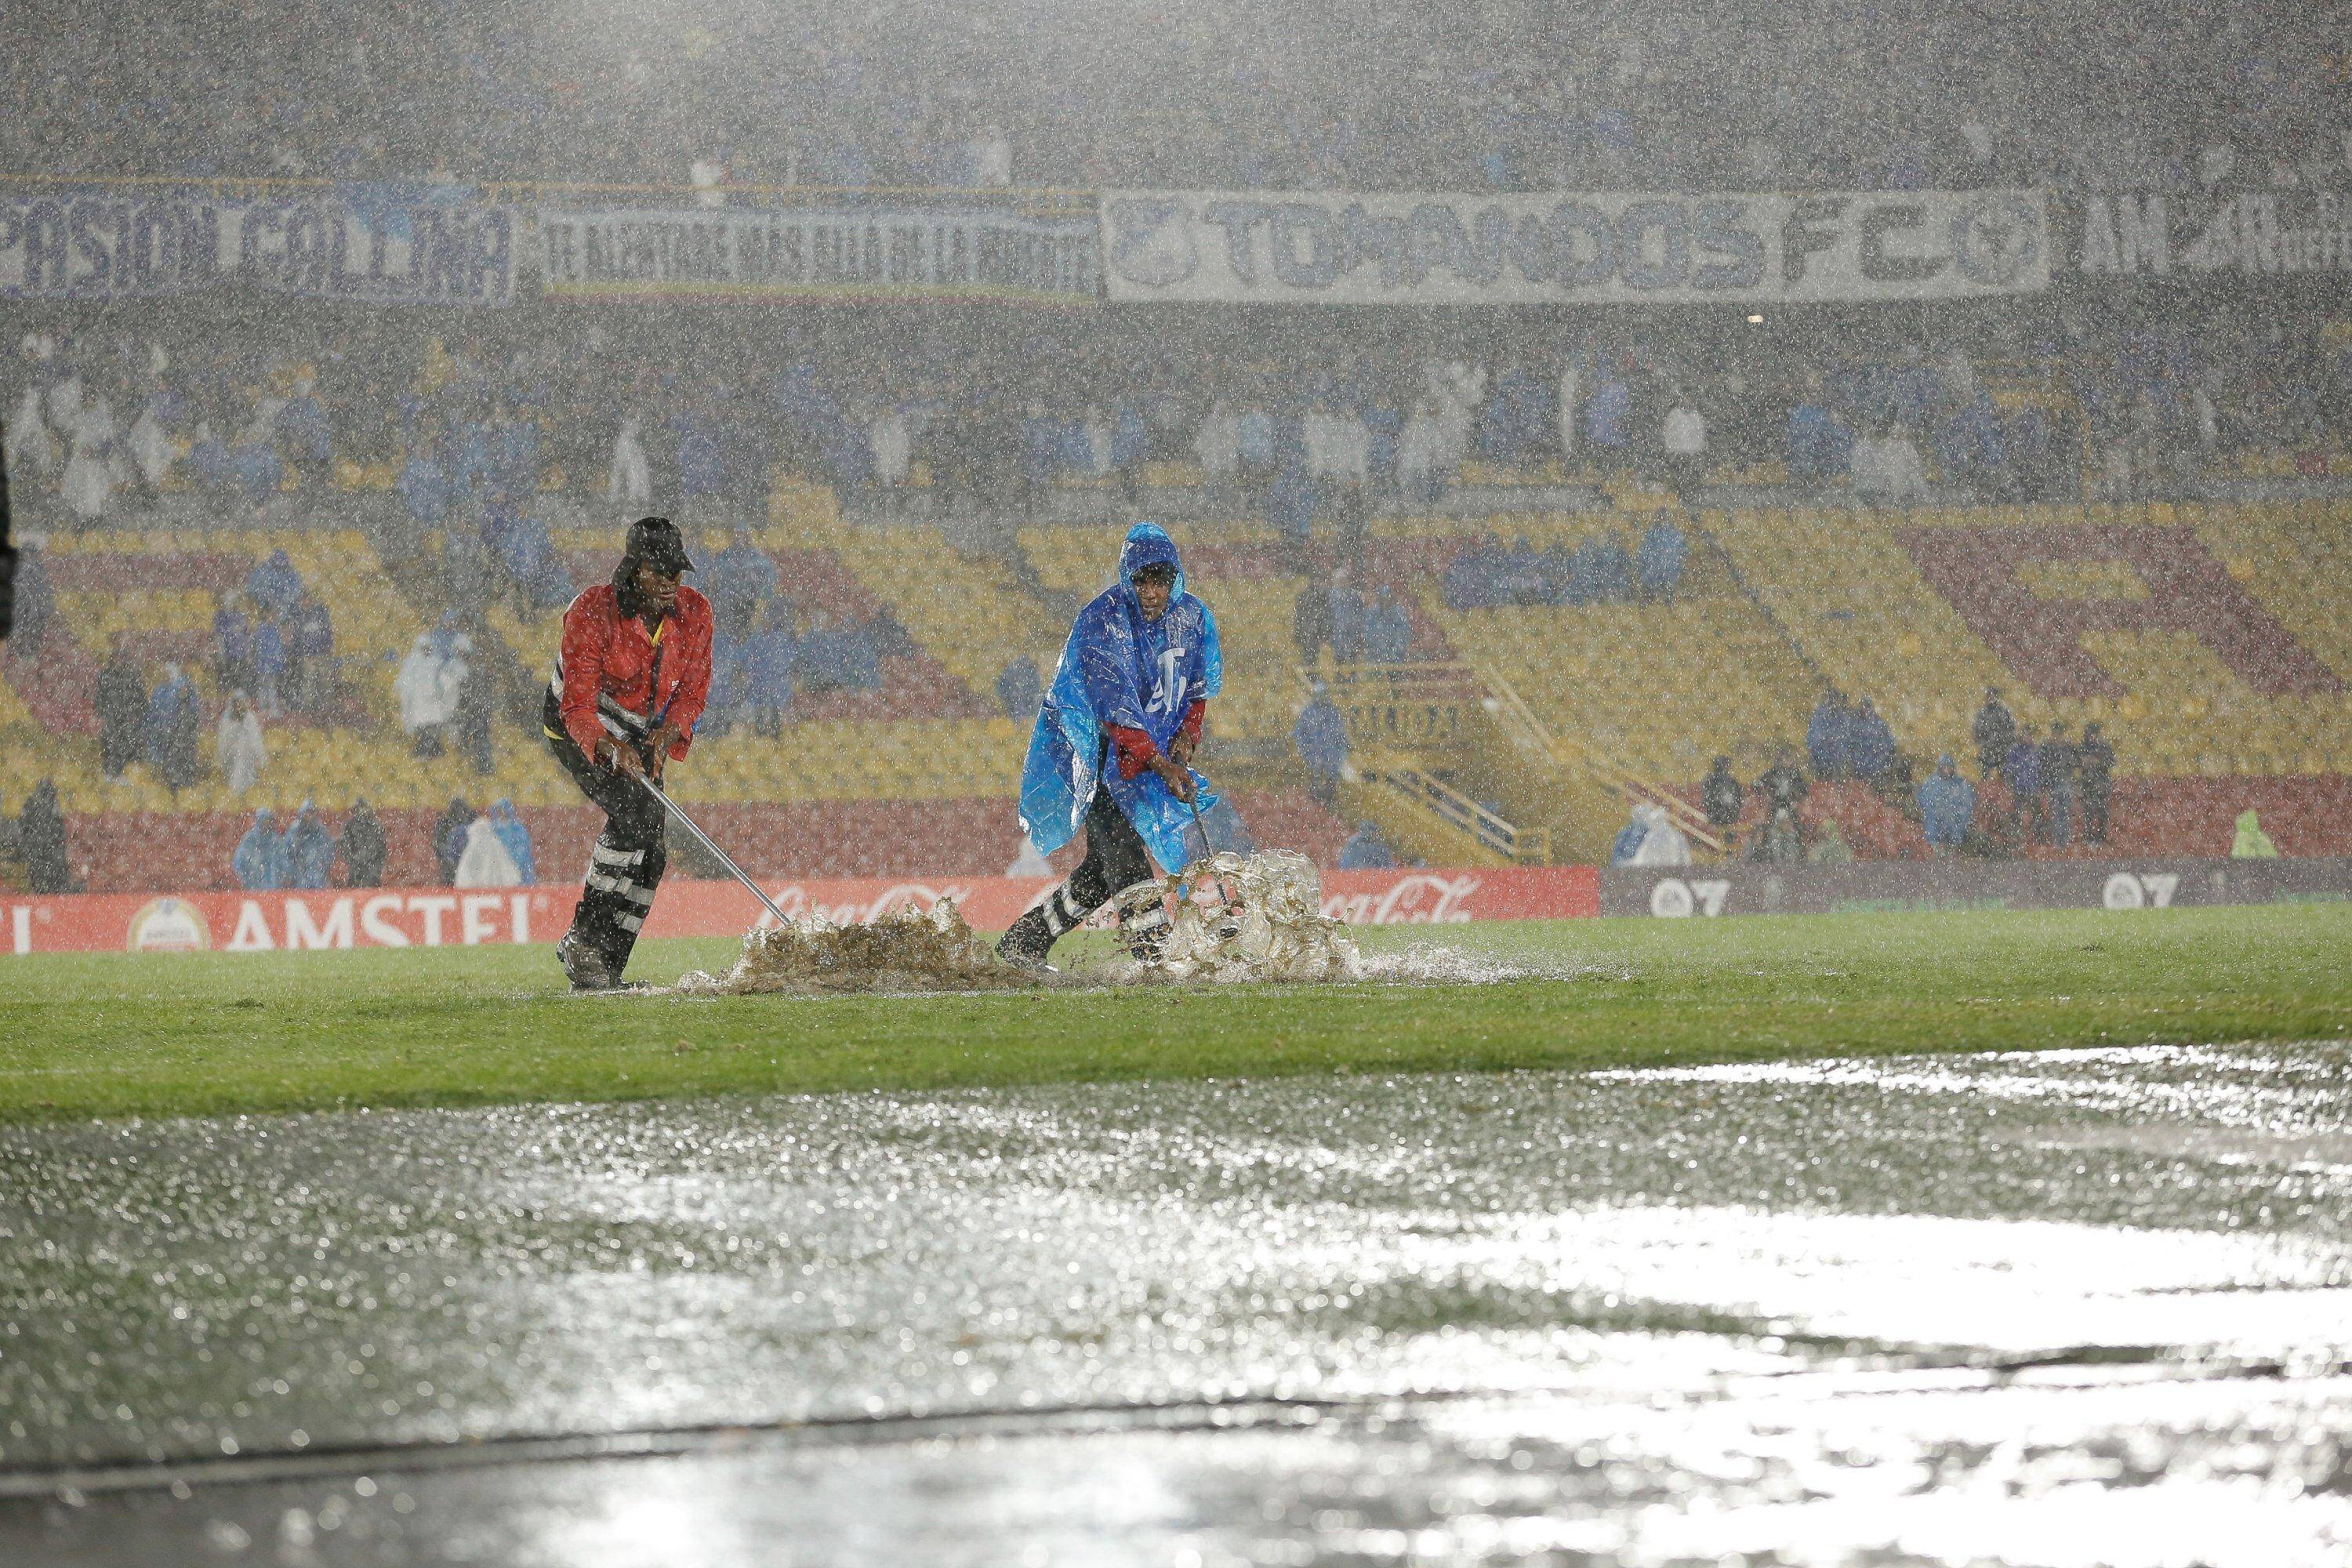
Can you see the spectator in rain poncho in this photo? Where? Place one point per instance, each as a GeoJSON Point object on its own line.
{"type": "Point", "coordinates": [1114, 743]}
{"type": "Point", "coordinates": [259, 861]}
{"type": "Point", "coordinates": [1321, 737]}
{"type": "Point", "coordinates": [1663, 844]}
{"type": "Point", "coordinates": [1829, 737]}
{"type": "Point", "coordinates": [1659, 564]}
{"type": "Point", "coordinates": [1870, 743]}
{"type": "Point", "coordinates": [423, 485]}
{"type": "Point", "coordinates": [1628, 842]}
{"type": "Point", "coordinates": [1020, 690]}
{"type": "Point", "coordinates": [431, 679]}
{"type": "Point", "coordinates": [485, 861]}
{"type": "Point", "coordinates": [88, 480]}
{"type": "Point", "coordinates": [891, 437]}
{"type": "Point", "coordinates": [240, 750]}
{"type": "Point", "coordinates": [770, 656]}
{"type": "Point", "coordinates": [1388, 629]}
{"type": "Point", "coordinates": [274, 584]}
{"type": "Point", "coordinates": [1421, 455]}
{"type": "Point", "coordinates": [631, 482]}
{"type": "Point", "coordinates": [449, 838]}
{"type": "Point", "coordinates": [515, 834]}
{"type": "Point", "coordinates": [1888, 467]}
{"type": "Point", "coordinates": [1948, 804]}
{"type": "Point", "coordinates": [311, 654]}
{"type": "Point", "coordinates": [37, 604]}
{"type": "Point", "coordinates": [740, 581]}
{"type": "Point", "coordinates": [308, 855]}
{"type": "Point", "coordinates": [1365, 850]}
{"type": "Point", "coordinates": [29, 451]}
{"type": "Point", "coordinates": [173, 722]}
{"type": "Point", "coordinates": [1217, 444]}
{"type": "Point", "coordinates": [2252, 843]}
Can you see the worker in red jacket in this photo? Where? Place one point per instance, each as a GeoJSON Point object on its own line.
{"type": "Point", "coordinates": [629, 683]}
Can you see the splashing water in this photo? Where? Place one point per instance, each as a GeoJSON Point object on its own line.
{"type": "Point", "coordinates": [1234, 919]}
{"type": "Point", "coordinates": [901, 950]}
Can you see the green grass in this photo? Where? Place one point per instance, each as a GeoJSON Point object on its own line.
{"type": "Point", "coordinates": [123, 1035]}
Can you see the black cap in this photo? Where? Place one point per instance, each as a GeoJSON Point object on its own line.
{"type": "Point", "coordinates": [655, 541]}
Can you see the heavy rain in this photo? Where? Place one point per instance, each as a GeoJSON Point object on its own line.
{"type": "Point", "coordinates": [1086, 783]}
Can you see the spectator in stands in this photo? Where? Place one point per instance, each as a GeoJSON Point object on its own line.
{"type": "Point", "coordinates": [1347, 618]}
{"type": "Point", "coordinates": [631, 483]}
{"type": "Point", "coordinates": [769, 656]}
{"type": "Point", "coordinates": [515, 834]}
{"type": "Point", "coordinates": [890, 436]}
{"type": "Point", "coordinates": [239, 748]}
{"type": "Point", "coordinates": [1321, 737]}
{"type": "Point", "coordinates": [312, 655]}
{"type": "Point", "coordinates": [428, 686]}
{"type": "Point", "coordinates": [233, 644]}
{"type": "Point", "coordinates": [1829, 738]}
{"type": "Point", "coordinates": [1612, 568]}
{"type": "Point", "coordinates": [838, 655]}
{"type": "Point", "coordinates": [1658, 566]}
{"type": "Point", "coordinates": [1995, 731]}
{"type": "Point", "coordinates": [1723, 798]}
{"type": "Point", "coordinates": [41, 842]}
{"type": "Point", "coordinates": [1663, 844]}
{"type": "Point", "coordinates": [423, 485]}
{"type": "Point", "coordinates": [175, 720]}
{"type": "Point", "coordinates": [1628, 842]}
{"type": "Point", "coordinates": [1020, 690]}
{"type": "Point", "coordinates": [2098, 764]}
{"type": "Point", "coordinates": [121, 702]}
{"type": "Point", "coordinates": [1388, 630]}
{"type": "Point", "coordinates": [1420, 456]}
{"type": "Point", "coordinates": [308, 855]}
{"type": "Point", "coordinates": [274, 586]}
{"type": "Point", "coordinates": [1870, 743]}
{"type": "Point", "coordinates": [1783, 788]}
{"type": "Point", "coordinates": [469, 729]}
{"type": "Point", "coordinates": [37, 605]}
{"type": "Point", "coordinates": [269, 665]}
{"type": "Point", "coordinates": [1682, 438]}
{"type": "Point", "coordinates": [1365, 850]}
{"type": "Point", "coordinates": [1948, 804]}
{"type": "Point", "coordinates": [1217, 443]}
{"type": "Point", "coordinates": [2062, 783]}
{"type": "Point", "coordinates": [483, 859]}
{"type": "Point", "coordinates": [1829, 848]}
{"type": "Point", "coordinates": [449, 838]}
{"type": "Point", "coordinates": [364, 846]}
{"type": "Point", "coordinates": [741, 580]}
{"type": "Point", "coordinates": [1818, 446]}
{"type": "Point", "coordinates": [2021, 771]}
{"type": "Point", "coordinates": [2252, 843]}
{"type": "Point", "coordinates": [259, 861]}
{"type": "Point", "coordinates": [1887, 468]}
{"type": "Point", "coordinates": [301, 431]}
{"type": "Point", "coordinates": [1310, 616]}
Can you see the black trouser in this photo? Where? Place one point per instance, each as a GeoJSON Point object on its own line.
{"type": "Point", "coordinates": [627, 864]}
{"type": "Point", "coordinates": [1116, 860]}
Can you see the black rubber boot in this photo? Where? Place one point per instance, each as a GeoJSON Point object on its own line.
{"type": "Point", "coordinates": [1030, 940]}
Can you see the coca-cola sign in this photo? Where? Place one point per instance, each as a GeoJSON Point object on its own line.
{"type": "Point", "coordinates": [799, 903]}
{"type": "Point", "coordinates": [1422, 897]}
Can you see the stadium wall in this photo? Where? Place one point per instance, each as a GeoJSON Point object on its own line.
{"type": "Point", "coordinates": [337, 918]}
{"type": "Point", "coordinates": [1700, 891]}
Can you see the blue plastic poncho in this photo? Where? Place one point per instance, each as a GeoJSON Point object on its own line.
{"type": "Point", "coordinates": [1120, 668]}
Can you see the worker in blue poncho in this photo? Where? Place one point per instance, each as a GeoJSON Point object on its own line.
{"type": "Point", "coordinates": [1113, 748]}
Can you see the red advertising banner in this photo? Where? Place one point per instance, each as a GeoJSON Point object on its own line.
{"type": "Point", "coordinates": [333, 918]}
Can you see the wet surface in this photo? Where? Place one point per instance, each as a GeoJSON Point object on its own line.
{"type": "Point", "coordinates": [2079, 1307]}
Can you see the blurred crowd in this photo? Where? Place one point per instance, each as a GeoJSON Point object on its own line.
{"type": "Point", "coordinates": [469, 428]}
{"type": "Point", "coordinates": [1506, 94]}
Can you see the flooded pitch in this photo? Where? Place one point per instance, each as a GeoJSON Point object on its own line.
{"type": "Point", "coordinates": [2074, 1307]}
